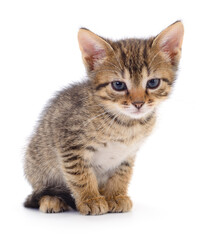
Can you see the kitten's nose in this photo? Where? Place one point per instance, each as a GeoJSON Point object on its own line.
{"type": "Point", "coordinates": [138, 104]}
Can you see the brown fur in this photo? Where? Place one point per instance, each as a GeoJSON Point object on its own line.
{"type": "Point", "coordinates": [82, 122]}
{"type": "Point", "coordinates": [50, 204]}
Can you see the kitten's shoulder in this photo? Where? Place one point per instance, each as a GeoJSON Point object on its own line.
{"type": "Point", "coordinates": [68, 102]}
{"type": "Point", "coordinates": [73, 93]}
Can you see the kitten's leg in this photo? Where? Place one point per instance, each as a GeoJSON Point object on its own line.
{"type": "Point", "coordinates": [49, 204]}
{"type": "Point", "coordinates": [83, 184]}
{"type": "Point", "coordinates": [115, 190]}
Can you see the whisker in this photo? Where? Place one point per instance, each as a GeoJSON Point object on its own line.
{"type": "Point", "coordinates": [104, 123]}
{"type": "Point", "coordinates": [103, 126]}
{"type": "Point", "coordinates": [94, 118]}
{"type": "Point", "coordinates": [107, 123]}
{"type": "Point", "coordinates": [111, 123]}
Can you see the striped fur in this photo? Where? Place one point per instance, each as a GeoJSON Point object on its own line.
{"type": "Point", "coordinates": [83, 149]}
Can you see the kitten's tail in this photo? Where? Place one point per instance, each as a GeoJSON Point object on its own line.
{"type": "Point", "coordinates": [32, 200]}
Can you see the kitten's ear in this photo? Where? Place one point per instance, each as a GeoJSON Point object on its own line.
{"type": "Point", "coordinates": [94, 49]}
{"type": "Point", "coordinates": [169, 41]}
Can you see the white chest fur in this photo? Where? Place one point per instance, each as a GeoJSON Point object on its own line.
{"type": "Point", "coordinates": [107, 158]}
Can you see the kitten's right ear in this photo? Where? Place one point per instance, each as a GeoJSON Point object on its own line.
{"type": "Point", "coordinates": [169, 41]}
{"type": "Point", "coordinates": [94, 49]}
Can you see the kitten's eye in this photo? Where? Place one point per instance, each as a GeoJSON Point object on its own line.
{"type": "Point", "coordinates": [153, 83]}
{"type": "Point", "coordinates": [119, 86]}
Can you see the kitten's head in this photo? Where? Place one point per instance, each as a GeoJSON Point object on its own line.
{"type": "Point", "coordinates": [132, 76]}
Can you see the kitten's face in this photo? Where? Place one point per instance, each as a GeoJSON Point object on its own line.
{"type": "Point", "coordinates": [133, 87]}
{"type": "Point", "coordinates": [131, 77]}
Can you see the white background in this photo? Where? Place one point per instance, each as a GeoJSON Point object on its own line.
{"type": "Point", "coordinates": [39, 54]}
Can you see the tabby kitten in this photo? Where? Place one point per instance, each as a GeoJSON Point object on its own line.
{"type": "Point", "coordinates": [82, 153]}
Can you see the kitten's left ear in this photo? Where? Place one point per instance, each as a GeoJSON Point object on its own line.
{"type": "Point", "coordinates": [94, 49]}
{"type": "Point", "coordinates": [169, 41]}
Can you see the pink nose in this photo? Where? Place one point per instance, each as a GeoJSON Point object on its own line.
{"type": "Point", "coordinates": [138, 104]}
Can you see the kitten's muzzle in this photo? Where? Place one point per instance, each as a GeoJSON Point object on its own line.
{"type": "Point", "coordinates": [138, 104]}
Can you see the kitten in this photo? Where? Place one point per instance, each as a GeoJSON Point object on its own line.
{"type": "Point", "coordinates": [82, 153]}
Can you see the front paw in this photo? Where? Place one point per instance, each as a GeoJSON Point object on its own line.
{"type": "Point", "coordinates": [93, 206]}
{"type": "Point", "coordinates": [119, 204]}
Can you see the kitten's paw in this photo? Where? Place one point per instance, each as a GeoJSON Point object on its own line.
{"type": "Point", "coordinates": [119, 204]}
{"type": "Point", "coordinates": [49, 204]}
{"type": "Point", "coordinates": [93, 206]}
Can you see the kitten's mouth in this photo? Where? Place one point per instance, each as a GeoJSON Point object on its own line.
{"type": "Point", "coordinates": [137, 113]}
